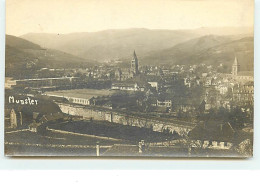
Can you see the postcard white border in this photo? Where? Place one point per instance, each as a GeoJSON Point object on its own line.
{"type": "Point", "coordinates": [173, 164]}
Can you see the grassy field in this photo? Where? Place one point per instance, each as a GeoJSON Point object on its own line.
{"type": "Point", "coordinates": [24, 143]}
{"type": "Point", "coordinates": [127, 133]}
{"type": "Point", "coordinates": [50, 138]}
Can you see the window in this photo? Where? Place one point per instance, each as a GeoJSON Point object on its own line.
{"type": "Point", "coordinates": [225, 143]}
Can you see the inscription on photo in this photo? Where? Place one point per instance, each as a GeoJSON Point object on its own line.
{"type": "Point", "coordinates": [26, 101]}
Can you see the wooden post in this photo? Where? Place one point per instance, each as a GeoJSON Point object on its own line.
{"type": "Point", "coordinates": [141, 146]}
{"type": "Point", "coordinates": [21, 118]}
{"type": "Point", "coordinates": [97, 149]}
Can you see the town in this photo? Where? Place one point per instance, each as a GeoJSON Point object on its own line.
{"type": "Point", "coordinates": [196, 109]}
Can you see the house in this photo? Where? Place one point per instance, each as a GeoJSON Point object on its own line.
{"type": "Point", "coordinates": [34, 127]}
{"type": "Point", "coordinates": [209, 81]}
{"type": "Point", "coordinates": [154, 85]}
{"type": "Point", "coordinates": [204, 74]}
{"type": "Point", "coordinates": [244, 94]}
{"type": "Point", "coordinates": [187, 82]}
{"type": "Point", "coordinates": [164, 103]}
{"type": "Point", "coordinates": [186, 104]}
{"type": "Point", "coordinates": [127, 87]}
{"type": "Point", "coordinates": [223, 88]}
{"type": "Point", "coordinates": [211, 97]}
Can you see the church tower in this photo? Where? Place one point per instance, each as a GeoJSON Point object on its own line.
{"type": "Point", "coordinates": [235, 67]}
{"type": "Point", "coordinates": [134, 64]}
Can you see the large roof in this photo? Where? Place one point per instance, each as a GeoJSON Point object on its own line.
{"type": "Point", "coordinates": [213, 131]}
{"type": "Point", "coordinates": [81, 93]}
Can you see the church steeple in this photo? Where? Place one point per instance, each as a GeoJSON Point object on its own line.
{"type": "Point", "coordinates": [235, 67]}
{"type": "Point", "coordinates": [134, 64]}
{"type": "Point", "coordinates": [134, 56]}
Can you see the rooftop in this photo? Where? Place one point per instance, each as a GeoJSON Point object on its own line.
{"type": "Point", "coordinates": [213, 131]}
{"type": "Point", "coordinates": [81, 93]}
{"type": "Point", "coordinates": [35, 79]}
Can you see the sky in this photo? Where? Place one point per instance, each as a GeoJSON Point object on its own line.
{"type": "Point", "coordinates": [67, 16]}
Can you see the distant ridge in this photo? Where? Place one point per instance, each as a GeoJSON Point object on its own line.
{"type": "Point", "coordinates": [210, 49]}
{"type": "Point", "coordinates": [117, 43]}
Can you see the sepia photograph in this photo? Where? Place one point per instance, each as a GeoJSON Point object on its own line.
{"type": "Point", "coordinates": [132, 78]}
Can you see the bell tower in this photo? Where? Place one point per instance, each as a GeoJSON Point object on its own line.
{"type": "Point", "coordinates": [235, 67]}
{"type": "Point", "coordinates": [134, 64]}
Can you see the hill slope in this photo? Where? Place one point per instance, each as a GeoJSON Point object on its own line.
{"type": "Point", "coordinates": [17, 42]}
{"type": "Point", "coordinates": [20, 52]}
{"type": "Point", "coordinates": [211, 50]}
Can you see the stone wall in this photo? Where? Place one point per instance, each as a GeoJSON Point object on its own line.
{"type": "Point", "coordinates": [125, 119]}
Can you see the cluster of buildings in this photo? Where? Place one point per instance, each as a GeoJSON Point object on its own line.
{"type": "Point", "coordinates": [171, 88]}
{"type": "Point", "coordinates": [177, 88]}
{"type": "Point", "coordinates": [158, 92]}
{"type": "Point", "coordinates": [167, 88]}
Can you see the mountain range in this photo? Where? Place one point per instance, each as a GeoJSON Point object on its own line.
{"type": "Point", "coordinates": [108, 44]}
{"type": "Point", "coordinates": [118, 44]}
{"type": "Point", "coordinates": [204, 45]}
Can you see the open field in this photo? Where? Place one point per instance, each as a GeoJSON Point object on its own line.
{"type": "Point", "coordinates": [126, 133]}
{"type": "Point", "coordinates": [54, 139]}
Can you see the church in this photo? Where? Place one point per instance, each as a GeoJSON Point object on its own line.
{"type": "Point", "coordinates": [124, 74]}
{"type": "Point", "coordinates": [241, 76]}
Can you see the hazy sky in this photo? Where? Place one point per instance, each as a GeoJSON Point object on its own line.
{"type": "Point", "coordinates": [65, 16]}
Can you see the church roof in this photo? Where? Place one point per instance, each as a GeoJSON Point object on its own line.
{"type": "Point", "coordinates": [235, 61]}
